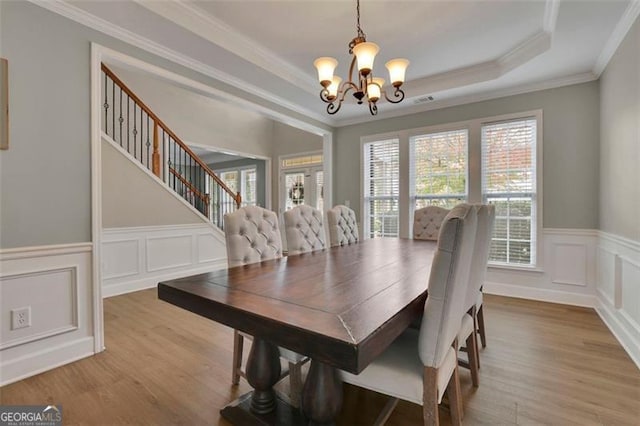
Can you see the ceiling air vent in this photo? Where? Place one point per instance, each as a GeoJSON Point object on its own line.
{"type": "Point", "coordinates": [423, 100]}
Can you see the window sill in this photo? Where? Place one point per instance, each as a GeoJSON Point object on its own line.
{"type": "Point", "coordinates": [520, 268]}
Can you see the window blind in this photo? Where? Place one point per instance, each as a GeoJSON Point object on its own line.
{"type": "Point", "coordinates": [248, 192]}
{"type": "Point", "coordinates": [382, 187]}
{"type": "Point", "coordinates": [439, 168]}
{"type": "Point", "coordinates": [509, 182]}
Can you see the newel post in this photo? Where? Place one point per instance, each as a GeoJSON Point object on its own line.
{"type": "Point", "coordinates": [238, 200]}
{"type": "Point", "coordinates": [155, 159]}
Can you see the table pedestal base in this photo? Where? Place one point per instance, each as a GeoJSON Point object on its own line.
{"type": "Point", "coordinates": [239, 413]}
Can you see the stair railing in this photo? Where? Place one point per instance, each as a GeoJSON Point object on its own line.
{"type": "Point", "coordinates": [132, 124]}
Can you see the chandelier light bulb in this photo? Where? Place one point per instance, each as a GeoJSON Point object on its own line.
{"type": "Point", "coordinates": [365, 53]}
{"type": "Point", "coordinates": [397, 69]}
{"type": "Point", "coordinates": [333, 87]}
{"type": "Point", "coordinates": [325, 66]}
{"type": "Point", "coordinates": [374, 88]}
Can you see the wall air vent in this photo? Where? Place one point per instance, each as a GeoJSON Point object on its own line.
{"type": "Point", "coordinates": [423, 100]}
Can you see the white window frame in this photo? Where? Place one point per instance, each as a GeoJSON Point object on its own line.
{"type": "Point", "coordinates": [412, 172]}
{"type": "Point", "coordinates": [474, 174]}
{"type": "Point", "coordinates": [364, 180]}
{"type": "Point", "coordinates": [239, 170]}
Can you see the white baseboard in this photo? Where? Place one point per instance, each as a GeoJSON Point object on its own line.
{"type": "Point", "coordinates": [151, 282]}
{"type": "Point", "coordinates": [44, 360]}
{"type": "Point", "coordinates": [623, 335]}
{"type": "Point", "coordinates": [541, 294]}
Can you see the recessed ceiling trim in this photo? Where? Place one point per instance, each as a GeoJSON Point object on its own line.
{"type": "Point", "coordinates": [485, 71]}
{"type": "Point", "coordinates": [622, 28]}
{"type": "Point", "coordinates": [477, 97]}
{"type": "Point", "coordinates": [218, 32]}
{"type": "Point", "coordinates": [550, 15]}
{"type": "Point", "coordinates": [98, 24]}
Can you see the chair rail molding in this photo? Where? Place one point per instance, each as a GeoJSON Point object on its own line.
{"type": "Point", "coordinates": [55, 284]}
{"type": "Point", "coordinates": [137, 258]}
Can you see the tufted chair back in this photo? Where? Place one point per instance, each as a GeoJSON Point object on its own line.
{"type": "Point", "coordinates": [343, 228]}
{"type": "Point", "coordinates": [448, 284]}
{"type": "Point", "coordinates": [252, 235]}
{"type": "Point", "coordinates": [304, 230]}
{"type": "Point", "coordinates": [427, 221]}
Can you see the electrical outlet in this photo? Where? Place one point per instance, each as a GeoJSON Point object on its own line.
{"type": "Point", "coordinates": [21, 318]}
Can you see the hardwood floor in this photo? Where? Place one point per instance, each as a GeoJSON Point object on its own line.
{"type": "Point", "coordinates": [544, 364]}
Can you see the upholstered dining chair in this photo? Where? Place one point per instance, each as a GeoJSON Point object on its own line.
{"type": "Point", "coordinates": [421, 364]}
{"type": "Point", "coordinates": [427, 222]}
{"type": "Point", "coordinates": [486, 223]}
{"type": "Point", "coordinates": [252, 235]}
{"type": "Point", "coordinates": [304, 230]}
{"type": "Point", "coordinates": [343, 227]}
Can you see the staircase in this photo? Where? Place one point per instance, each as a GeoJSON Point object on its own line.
{"type": "Point", "coordinates": [138, 131]}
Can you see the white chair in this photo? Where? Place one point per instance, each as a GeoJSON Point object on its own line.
{"type": "Point", "coordinates": [252, 235]}
{"type": "Point", "coordinates": [427, 221]}
{"type": "Point", "coordinates": [343, 227]}
{"type": "Point", "coordinates": [304, 230]}
{"type": "Point", "coordinates": [486, 221]}
{"type": "Point", "coordinates": [420, 365]}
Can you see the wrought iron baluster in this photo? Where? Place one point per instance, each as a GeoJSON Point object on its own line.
{"type": "Point", "coordinates": [106, 105]}
{"type": "Point", "coordinates": [148, 143]}
{"type": "Point", "coordinates": [120, 119]}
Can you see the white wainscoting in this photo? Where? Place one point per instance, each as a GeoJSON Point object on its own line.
{"type": "Point", "coordinates": [567, 273]}
{"type": "Point", "coordinates": [618, 290]}
{"type": "Point", "coordinates": [55, 282]}
{"type": "Point", "coordinates": [137, 258]}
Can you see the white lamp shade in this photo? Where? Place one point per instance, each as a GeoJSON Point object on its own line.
{"type": "Point", "coordinates": [397, 68]}
{"type": "Point", "coordinates": [374, 89]}
{"type": "Point", "coordinates": [334, 86]}
{"type": "Point", "coordinates": [325, 66]}
{"type": "Point", "coordinates": [365, 53]}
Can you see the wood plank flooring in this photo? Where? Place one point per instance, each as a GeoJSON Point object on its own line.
{"type": "Point", "coordinates": [545, 364]}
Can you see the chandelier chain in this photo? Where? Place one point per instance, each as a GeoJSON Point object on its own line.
{"type": "Point", "coordinates": [360, 32]}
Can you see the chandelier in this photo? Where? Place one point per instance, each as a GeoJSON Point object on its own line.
{"type": "Point", "coordinates": [334, 90]}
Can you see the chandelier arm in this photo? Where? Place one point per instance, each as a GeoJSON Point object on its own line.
{"type": "Point", "coordinates": [373, 108]}
{"type": "Point", "coordinates": [334, 107]}
{"type": "Point", "coordinates": [398, 96]}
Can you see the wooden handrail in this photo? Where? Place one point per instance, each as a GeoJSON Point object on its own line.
{"type": "Point", "coordinates": [160, 123]}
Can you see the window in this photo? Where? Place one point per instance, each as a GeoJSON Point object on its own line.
{"type": "Point", "coordinates": [496, 160]}
{"type": "Point", "coordinates": [248, 187]}
{"type": "Point", "coordinates": [509, 182]}
{"type": "Point", "coordinates": [306, 160]}
{"type": "Point", "coordinates": [439, 169]}
{"type": "Point", "coordinates": [243, 181]}
{"type": "Point", "coordinates": [381, 187]}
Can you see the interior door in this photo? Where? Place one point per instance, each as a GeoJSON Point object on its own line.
{"type": "Point", "coordinates": [301, 186]}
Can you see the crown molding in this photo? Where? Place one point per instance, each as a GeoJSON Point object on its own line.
{"type": "Point", "coordinates": [218, 32]}
{"type": "Point", "coordinates": [551, 8]}
{"type": "Point", "coordinates": [87, 19]}
{"type": "Point", "coordinates": [477, 97]}
{"type": "Point", "coordinates": [624, 25]}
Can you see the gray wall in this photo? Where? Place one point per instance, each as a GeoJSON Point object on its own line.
{"type": "Point", "coordinates": [620, 140]}
{"type": "Point", "coordinates": [261, 178]}
{"type": "Point", "coordinates": [131, 197]}
{"type": "Point", "coordinates": [570, 157]}
{"type": "Point", "coordinates": [45, 180]}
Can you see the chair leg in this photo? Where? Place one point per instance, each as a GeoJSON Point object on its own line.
{"type": "Point", "coordinates": [483, 336]}
{"type": "Point", "coordinates": [455, 398]}
{"type": "Point", "coordinates": [295, 383]}
{"type": "Point", "coordinates": [472, 352]}
{"type": "Point", "coordinates": [238, 341]}
{"type": "Point", "coordinates": [475, 329]}
{"type": "Point", "coordinates": [430, 397]}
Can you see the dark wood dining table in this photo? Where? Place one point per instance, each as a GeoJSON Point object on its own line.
{"type": "Point", "coordinates": [341, 307]}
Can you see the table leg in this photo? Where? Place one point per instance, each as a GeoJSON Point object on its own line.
{"type": "Point", "coordinates": [322, 394]}
{"type": "Point", "coordinates": [263, 371]}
